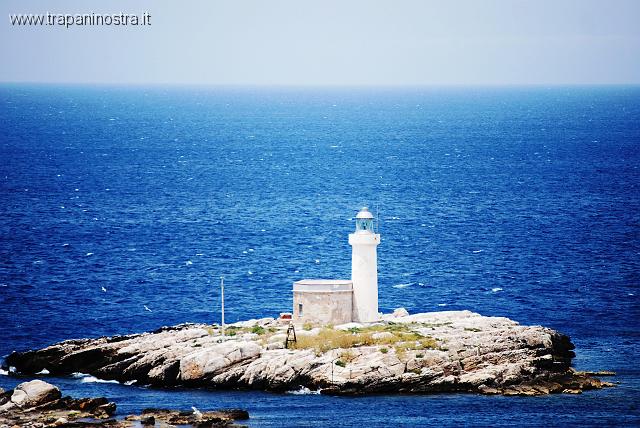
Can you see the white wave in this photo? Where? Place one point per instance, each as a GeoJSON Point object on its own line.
{"type": "Point", "coordinates": [43, 371]}
{"type": "Point", "coordinates": [317, 261]}
{"type": "Point", "coordinates": [89, 254]}
{"type": "Point", "coordinates": [130, 382]}
{"type": "Point", "coordinates": [442, 304]}
{"type": "Point", "coordinates": [303, 391]}
{"type": "Point", "coordinates": [477, 251]}
{"type": "Point", "coordinates": [103, 289]}
{"type": "Point", "coordinates": [78, 375]}
{"type": "Point", "coordinates": [4, 373]}
{"type": "Point", "coordinates": [188, 263]}
{"type": "Point", "coordinates": [93, 379]}
{"type": "Point", "coordinates": [147, 308]}
{"type": "Point", "coordinates": [496, 289]}
{"type": "Point", "coordinates": [402, 285]}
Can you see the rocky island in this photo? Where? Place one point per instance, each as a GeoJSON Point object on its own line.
{"type": "Point", "coordinates": [454, 351]}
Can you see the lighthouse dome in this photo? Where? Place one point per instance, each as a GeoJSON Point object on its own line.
{"type": "Point", "coordinates": [365, 213]}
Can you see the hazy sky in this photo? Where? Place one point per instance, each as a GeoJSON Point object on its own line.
{"type": "Point", "coordinates": [334, 42]}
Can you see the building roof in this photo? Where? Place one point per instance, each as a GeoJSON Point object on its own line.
{"type": "Point", "coordinates": [323, 285]}
{"type": "Point", "coordinates": [323, 281]}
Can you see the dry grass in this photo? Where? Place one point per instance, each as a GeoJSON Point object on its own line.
{"type": "Point", "coordinates": [307, 326]}
{"type": "Point", "coordinates": [328, 339]}
{"type": "Point", "coordinates": [401, 338]}
{"type": "Point", "coordinates": [348, 356]}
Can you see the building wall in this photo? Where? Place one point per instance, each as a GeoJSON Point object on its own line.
{"type": "Point", "coordinates": [323, 307]}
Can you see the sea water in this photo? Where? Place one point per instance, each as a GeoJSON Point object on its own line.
{"type": "Point", "coordinates": [122, 206]}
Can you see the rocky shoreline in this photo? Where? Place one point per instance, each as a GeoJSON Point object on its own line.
{"type": "Point", "coordinates": [39, 404]}
{"type": "Point", "coordinates": [454, 351]}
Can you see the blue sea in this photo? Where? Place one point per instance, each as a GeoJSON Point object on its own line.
{"type": "Point", "coordinates": [521, 202]}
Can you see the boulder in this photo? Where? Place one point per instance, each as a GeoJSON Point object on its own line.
{"type": "Point", "coordinates": [34, 393]}
{"type": "Point", "coordinates": [349, 326]}
{"type": "Point", "coordinates": [400, 312]}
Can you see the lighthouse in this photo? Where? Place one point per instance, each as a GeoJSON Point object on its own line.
{"type": "Point", "coordinates": [364, 268]}
{"type": "Point", "coordinates": [341, 301]}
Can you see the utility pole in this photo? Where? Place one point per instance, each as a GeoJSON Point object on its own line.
{"type": "Point", "coordinates": [222, 297]}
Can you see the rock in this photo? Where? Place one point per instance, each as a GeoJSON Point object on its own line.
{"type": "Point", "coordinates": [312, 332]}
{"type": "Point", "coordinates": [61, 422]}
{"type": "Point", "coordinates": [197, 418]}
{"type": "Point", "coordinates": [349, 326]}
{"type": "Point", "coordinates": [448, 351]}
{"type": "Point", "coordinates": [275, 345]}
{"type": "Point", "coordinates": [148, 420]}
{"type": "Point", "coordinates": [400, 312]}
{"type": "Point", "coordinates": [96, 412]}
{"type": "Point", "coordinates": [34, 393]}
{"type": "Point", "coordinates": [38, 403]}
{"type": "Point", "coordinates": [277, 338]}
{"type": "Point", "coordinates": [90, 404]}
{"type": "Point", "coordinates": [382, 335]}
{"type": "Point", "coordinates": [236, 414]}
{"type": "Point", "coordinates": [5, 396]}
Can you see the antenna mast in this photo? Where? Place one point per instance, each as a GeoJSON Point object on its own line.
{"type": "Point", "coordinates": [222, 302]}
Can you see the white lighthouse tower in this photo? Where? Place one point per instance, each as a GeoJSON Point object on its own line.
{"type": "Point", "coordinates": [364, 268]}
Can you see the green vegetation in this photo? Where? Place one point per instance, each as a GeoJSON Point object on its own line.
{"type": "Point", "coordinates": [472, 329]}
{"type": "Point", "coordinates": [257, 329]}
{"type": "Point", "coordinates": [341, 363]}
{"type": "Point", "coordinates": [384, 350]}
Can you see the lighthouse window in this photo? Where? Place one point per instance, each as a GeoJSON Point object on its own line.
{"type": "Point", "coordinates": [300, 309]}
{"type": "Point", "coordinates": [363, 224]}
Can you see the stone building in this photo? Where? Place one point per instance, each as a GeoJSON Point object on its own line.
{"type": "Point", "coordinates": [339, 301]}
